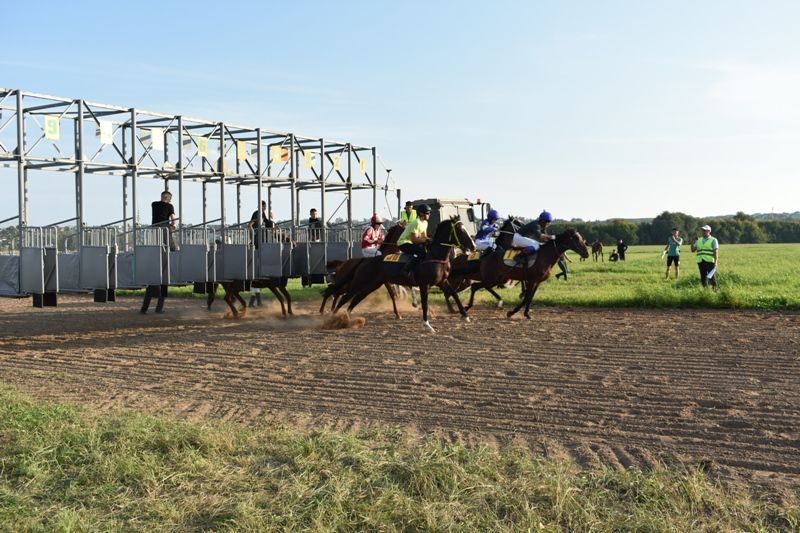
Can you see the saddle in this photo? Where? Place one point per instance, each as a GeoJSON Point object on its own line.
{"type": "Point", "coordinates": [398, 258]}
{"type": "Point", "coordinates": [518, 258]}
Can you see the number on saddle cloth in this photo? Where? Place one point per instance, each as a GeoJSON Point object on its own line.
{"type": "Point", "coordinates": [519, 257]}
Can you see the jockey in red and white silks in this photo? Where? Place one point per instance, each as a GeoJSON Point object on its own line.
{"type": "Point", "coordinates": [372, 238]}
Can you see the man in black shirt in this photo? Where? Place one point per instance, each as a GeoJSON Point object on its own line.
{"type": "Point", "coordinates": [163, 216]}
{"type": "Point", "coordinates": [621, 247]}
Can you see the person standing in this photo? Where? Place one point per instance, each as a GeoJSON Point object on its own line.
{"type": "Point", "coordinates": [163, 217]}
{"type": "Point", "coordinates": [673, 251]}
{"type": "Point", "coordinates": [372, 238]}
{"type": "Point", "coordinates": [314, 226]}
{"type": "Point", "coordinates": [255, 293]}
{"type": "Point", "coordinates": [407, 215]}
{"type": "Point", "coordinates": [621, 247]}
{"type": "Point", "coordinates": [707, 248]}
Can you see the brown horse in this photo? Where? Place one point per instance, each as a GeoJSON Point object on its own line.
{"type": "Point", "coordinates": [464, 271]}
{"type": "Point", "coordinates": [342, 269]}
{"type": "Point", "coordinates": [431, 271]}
{"type": "Point", "coordinates": [494, 269]}
{"type": "Point", "coordinates": [233, 288]}
{"type": "Point", "coordinates": [597, 250]}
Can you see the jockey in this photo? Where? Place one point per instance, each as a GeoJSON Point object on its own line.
{"type": "Point", "coordinates": [531, 244]}
{"type": "Point", "coordinates": [415, 235]}
{"type": "Point", "coordinates": [484, 239]}
{"type": "Point", "coordinates": [372, 237]}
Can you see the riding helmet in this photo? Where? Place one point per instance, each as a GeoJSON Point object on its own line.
{"type": "Point", "coordinates": [376, 219]}
{"type": "Point", "coordinates": [423, 209]}
{"type": "Point", "coordinates": [545, 216]}
{"type": "Point", "coordinates": [493, 214]}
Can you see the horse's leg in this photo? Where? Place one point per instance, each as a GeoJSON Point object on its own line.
{"type": "Point", "coordinates": [210, 295]}
{"type": "Point", "coordinates": [522, 300]}
{"type": "Point", "coordinates": [361, 294]}
{"type": "Point", "coordinates": [393, 296]}
{"type": "Point", "coordinates": [473, 288]}
{"type": "Point", "coordinates": [276, 291]}
{"type": "Point", "coordinates": [321, 307]}
{"type": "Point", "coordinates": [229, 300]}
{"type": "Point", "coordinates": [287, 297]}
{"type": "Point", "coordinates": [450, 308]}
{"type": "Point", "coordinates": [499, 298]}
{"type": "Point", "coordinates": [529, 299]}
{"type": "Point", "coordinates": [241, 301]}
{"type": "Point", "coordinates": [414, 296]}
{"type": "Point", "coordinates": [423, 296]}
{"type": "Point", "coordinates": [449, 289]}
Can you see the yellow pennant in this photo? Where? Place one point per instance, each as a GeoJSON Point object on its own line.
{"type": "Point", "coordinates": [52, 127]}
{"type": "Point", "coordinates": [275, 154]}
{"type": "Point", "coordinates": [308, 159]}
{"type": "Point", "coordinates": [362, 165]}
{"type": "Point", "coordinates": [241, 150]}
{"type": "Point", "coordinates": [337, 162]}
{"type": "Point", "coordinates": [202, 146]}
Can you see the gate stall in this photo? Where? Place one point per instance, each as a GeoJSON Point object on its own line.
{"type": "Point", "coordinates": [237, 254]}
{"type": "Point", "coordinates": [196, 258]}
{"type": "Point", "coordinates": [151, 257]}
{"type": "Point", "coordinates": [38, 261]}
{"type": "Point", "coordinates": [274, 252]}
{"type": "Point", "coordinates": [98, 262]}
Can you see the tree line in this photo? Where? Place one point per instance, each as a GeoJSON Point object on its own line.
{"type": "Point", "coordinates": [741, 228]}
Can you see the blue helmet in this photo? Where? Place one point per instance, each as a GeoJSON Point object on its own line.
{"type": "Point", "coordinates": [492, 214]}
{"type": "Point", "coordinates": [545, 216]}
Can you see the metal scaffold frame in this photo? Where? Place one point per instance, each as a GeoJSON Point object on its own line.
{"type": "Point", "coordinates": [49, 133]}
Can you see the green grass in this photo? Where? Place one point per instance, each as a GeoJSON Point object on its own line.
{"type": "Point", "coordinates": [63, 469]}
{"type": "Point", "coordinates": [751, 276]}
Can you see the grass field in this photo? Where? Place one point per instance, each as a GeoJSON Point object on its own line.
{"type": "Point", "coordinates": [64, 469]}
{"type": "Point", "coordinates": [751, 276]}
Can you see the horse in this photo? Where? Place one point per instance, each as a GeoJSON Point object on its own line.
{"type": "Point", "coordinates": [464, 271]}
{"type": "Point", "coordinates": [233, 288]}
{"type": "Point", "coordinates": [494, 269]}
{"type": "Point", "coordinates": [597, 250]}
{"type": "Point", "coordinates": [342, 269]}
{"type": "Point", "coordinates": [431, 271]}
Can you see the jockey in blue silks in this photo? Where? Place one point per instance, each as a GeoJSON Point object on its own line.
{"type": "Point", "coordinates": [484, 239]}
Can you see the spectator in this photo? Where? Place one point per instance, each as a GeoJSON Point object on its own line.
{"type": "Point", "coordinates": [707, 248]}
{"type": "Point", "coordinates": [673, 251]}
{"type": "Point", "coordinates": [163, 215]}
{"type": "Point", "coordinates": [407, 215]}
{"type": "Point", "coordinates": [621, 247]}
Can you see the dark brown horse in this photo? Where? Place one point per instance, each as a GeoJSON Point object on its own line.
{"type": "Point", "coordinates": [597, 250]}
{"type": "Point", "coordinates": [494, 270]}
{"type": "Point", "coordinates": [464, 272]}
{"type": "Point", "coordinates": [233, 288]}
{"type": "Point", "coordinates": [343, 268]}
{"type": "Point", "coordinates": [431, 271]}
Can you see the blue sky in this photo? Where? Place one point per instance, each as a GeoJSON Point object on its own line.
{"type": "Point", "coordinates": [589, 109]}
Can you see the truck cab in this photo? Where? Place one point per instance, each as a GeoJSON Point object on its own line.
{"type": "Point", "coordinates": [441, 209]}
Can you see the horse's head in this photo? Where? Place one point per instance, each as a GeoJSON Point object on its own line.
{"type": "Point", "coordinates": [451, 232]}
{"type": "Point", "coordinates": [572, 240]}
{"type": "Point", "coordinates": [507, 231]}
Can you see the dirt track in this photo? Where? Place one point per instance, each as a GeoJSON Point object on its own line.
{"type": "Point", "coordinates": [620, 387]}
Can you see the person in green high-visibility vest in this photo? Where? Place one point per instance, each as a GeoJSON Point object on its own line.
{"type": "Point", "coordinates": [407, 215]}
{"type": "Point", "coordinates": [707, 248]}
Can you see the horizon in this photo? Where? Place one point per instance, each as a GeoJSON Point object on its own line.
{"type": "Point", "coordinates": [591, 112]}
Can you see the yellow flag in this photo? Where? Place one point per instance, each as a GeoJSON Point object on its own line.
{"type": "Point", "coordinates": [202, 146]}
{"type": "Point", "coordinates": [308, 159]}
{"type": "Point", "coordinates": [275, 154]}
{"type": "Point", "coordinates": [362, 165]}
{"type": "Point", "coordinates": [337, 162]}
{"type": "Point", "coordinates": [241, 150]}
{"type": "Point", "coordinates": [52, 127]}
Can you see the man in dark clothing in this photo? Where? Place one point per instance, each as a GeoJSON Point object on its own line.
{"type": "Point", "coordinates": [314, 225]}
{"type": "Point", "coordinates": [265, 221]}
{"type": "Point", "coordinates": [621, 247]}
{"type": "Point", "coordinates": [163, 216]}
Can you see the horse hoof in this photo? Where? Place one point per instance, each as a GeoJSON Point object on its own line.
{"type": "Point", "coordinates": [413, 304]}
{"type": "Point", "coordinates": [499, 304]}
{"type": "Point", "coordinates": [509, 314]}
{"type": "Point", "coordinates": [428, 327]}
{"type": "Point", "coordinates": [527, 316]}
{"type": "Point", "coordinates": [465, 318]}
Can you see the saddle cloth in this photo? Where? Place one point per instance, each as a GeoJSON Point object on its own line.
{"type": "Point", "coordinates": [397, 258]}
{"type": "Point", "coordinates": [516, 258]}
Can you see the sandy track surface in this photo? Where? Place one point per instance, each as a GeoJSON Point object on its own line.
{"type": "Point", "coordinates": [611, 386]}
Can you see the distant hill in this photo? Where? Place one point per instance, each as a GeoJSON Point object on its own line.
{"type": "Point", "coordinates": [756, 216]}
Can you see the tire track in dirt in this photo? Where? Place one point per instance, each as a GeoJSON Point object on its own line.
{"type": "Point", "coordinates": [625, 388]}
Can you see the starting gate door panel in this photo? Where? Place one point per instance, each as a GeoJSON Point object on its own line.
{"type": "Point", "coordinates": [9, 274]}
{"type": "Point", "coordinates": [151, 259]}
{"type": "Point", "coordinates": [97, 262]}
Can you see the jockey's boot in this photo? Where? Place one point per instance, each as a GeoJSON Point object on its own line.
{"type": "Point", "coordinates": [258, 299]}
{"type": "Point", "coordinates": [252, 300]}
